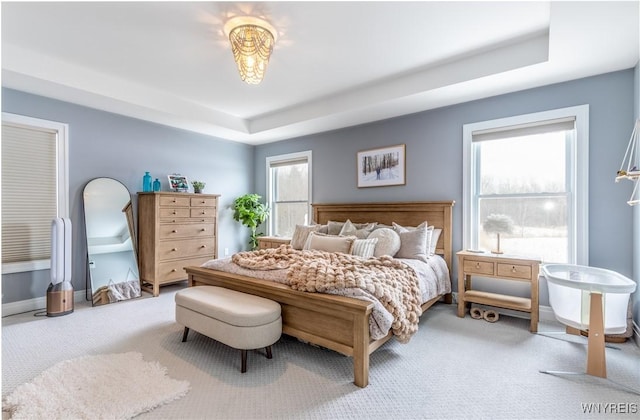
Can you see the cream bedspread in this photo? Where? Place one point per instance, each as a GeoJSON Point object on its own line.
{"type": "Point", "coordinates": [292, 268]}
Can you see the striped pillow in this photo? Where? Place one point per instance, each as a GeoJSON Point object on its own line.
{"type": "Point", "coordinates": [364, 247]}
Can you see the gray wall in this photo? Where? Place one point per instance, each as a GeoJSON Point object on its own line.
{"type": "Point", "coordinates": [102, 144]}
{"type": "Point", "coordinates": [434, 157]}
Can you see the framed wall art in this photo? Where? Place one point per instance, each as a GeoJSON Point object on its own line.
{"type": "Point", "coordinates": [381, 167]}
{"type": "Point", "coordinates": [178, 182]}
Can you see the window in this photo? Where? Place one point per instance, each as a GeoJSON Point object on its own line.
{"type": "Point", "coordinates": [289, 192]}
{"type": "Point", "coordinates": [526, 178]}
{"type": "Point", "coordinates": [34, 190]}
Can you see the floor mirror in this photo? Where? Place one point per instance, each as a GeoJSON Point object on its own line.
{"type": "Point", "coordinates": [112, 263]}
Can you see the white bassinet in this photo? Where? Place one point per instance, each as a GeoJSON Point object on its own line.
{"type": "Point", "coordinates": [570, 287]}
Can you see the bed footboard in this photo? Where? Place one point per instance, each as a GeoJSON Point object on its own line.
{"type": "Point", "coordinates": [335, 322]}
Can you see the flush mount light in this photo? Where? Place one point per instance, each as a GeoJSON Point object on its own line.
{"type": "Point", "coordinates": [252, 40]}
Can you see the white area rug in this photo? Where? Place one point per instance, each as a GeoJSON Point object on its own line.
{"type": "Point", "coordinates": [109, 386]}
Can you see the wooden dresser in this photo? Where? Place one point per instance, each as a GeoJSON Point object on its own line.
{"type": "Point", "coordinates": [175, 230]}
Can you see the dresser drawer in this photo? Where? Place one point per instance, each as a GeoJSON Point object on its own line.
{"type": "Point", "coordinates": [174, 270]}
{"type": "Point", "coordinates": [191, 230]}
{"type": "Point", "coordinates": [175, 212]}
{"type": "Point", "coordinates": [203, 212]}
{"type": "Point", "coordinates": [203, 202]}
{"type": "Point", "coordinates": [478, 267]}
{"type": "Point", "coordinates": [201, 247]}
{"type": "Point", "coordinates": [514, 270]}
{"type": "Point", "coordinates": [173, 201]}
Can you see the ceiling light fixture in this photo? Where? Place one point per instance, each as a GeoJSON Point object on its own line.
{"type": "Point", "coordinates": [252, 40]}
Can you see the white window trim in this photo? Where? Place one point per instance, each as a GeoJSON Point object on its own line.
{"type": "Point", "coordinates": [63, 180]}
{"type": "Point", "coordinates": [283, 158]}
{"type": "Point", "coordinates": [580, 159]}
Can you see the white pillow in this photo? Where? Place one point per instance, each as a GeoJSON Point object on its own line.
{"type": "Point", "coordinates": [329, 243]}
{"type": "Point", "coordinates": [434, 240]}
{"type": "Point", "coordinates": [388, 242]}
{"type": "Point", "coordinates": [364, 247]}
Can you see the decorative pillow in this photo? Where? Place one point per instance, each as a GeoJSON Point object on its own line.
{"type": "Point", "coordinates": [300, 235]}
{"type": "Point", "coordinates": [361, 230]}
{"type": "Point", "coordinates": [329, 243]}
{"type": "Point", "coordinates": [334, 228]}
{"type": "Point", "coordinates": [364, 247]}
{"type": "Point", "coordinates": [324, 229]}
{"type": "Point", "coordinates": [413, 244]}
{"type": "Point", "coordinates": [388, 242]}
{"type": "Point", "coordinates": [434, 240]}
{"type": "Point", "coordinates": [422, 225]}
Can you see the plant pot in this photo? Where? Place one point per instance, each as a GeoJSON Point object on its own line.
{"type": "Point", "coordinates": [199, 191]}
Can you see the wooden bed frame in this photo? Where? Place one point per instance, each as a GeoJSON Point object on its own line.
{"type": "Point", "coordinates": [337, 322]}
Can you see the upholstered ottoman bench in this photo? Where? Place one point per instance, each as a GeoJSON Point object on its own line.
{"type": "Point", "coordinates": [239, 320]}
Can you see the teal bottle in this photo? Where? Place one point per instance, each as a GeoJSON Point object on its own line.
{"type": "Point", "coordinates": [146, 182]}
{"type": "Point", "coordinates": [157, 185]}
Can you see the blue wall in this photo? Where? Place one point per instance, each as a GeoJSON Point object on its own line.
{"type": "Point", "coordinates": [102, 144]}
{"type": "Point", "coordinates": [434, 157]}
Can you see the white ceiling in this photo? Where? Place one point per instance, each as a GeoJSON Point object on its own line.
{"type": "Point", "coordinates": [336, 64]}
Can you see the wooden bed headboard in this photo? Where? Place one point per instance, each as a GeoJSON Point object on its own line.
{"type": "Point", "coordinates": [436, 213]}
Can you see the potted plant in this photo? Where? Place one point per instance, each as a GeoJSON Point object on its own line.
{"type": "Point", "coordinates": [498, 223]}
{"type": "Point", "coordinates": [198, 186]}
{"type": "Point", "coordinates": [251, 212]}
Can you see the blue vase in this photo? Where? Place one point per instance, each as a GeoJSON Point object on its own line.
{"type": "Point", "coordinates": [157, 185]}
{"type": "Point", "coordinates": [146, 182]}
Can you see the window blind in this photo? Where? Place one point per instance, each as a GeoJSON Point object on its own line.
{"type": "Point", "coordinates": [538, 127]}
{"type": "Point", "coordinates": [29, 192]}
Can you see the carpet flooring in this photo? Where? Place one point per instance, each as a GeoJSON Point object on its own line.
{"type": "Point", "coordinates": [453, 368]}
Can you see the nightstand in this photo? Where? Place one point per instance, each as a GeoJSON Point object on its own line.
{"type": "Point", "coordinates": [265, 242]}
{"type": "Point", "coordinates": [498, 266]}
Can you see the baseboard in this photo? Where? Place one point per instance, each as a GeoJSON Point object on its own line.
{"type": "Point", "coordinates": [34, 304]}
{"type": "Point", "coordinates": [636, 334]}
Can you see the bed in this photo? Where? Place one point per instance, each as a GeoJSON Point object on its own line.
{"type": "Point", "coordinates": [337, 322]}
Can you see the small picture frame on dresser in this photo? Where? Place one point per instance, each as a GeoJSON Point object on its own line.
{"type": "Point", "coordinates": [178, 183]}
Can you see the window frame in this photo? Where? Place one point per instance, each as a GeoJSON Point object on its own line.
{"type": "Point", "coordinates": [62, 165]}
{"type": "Point", "coordinates": [279, 160]}
{"type": "Point", "coordinates": [578, 172]}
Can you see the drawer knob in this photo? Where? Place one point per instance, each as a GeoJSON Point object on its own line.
{"type": "Point", "coordinates": [173, 270]}
{"type": "Point", "coordinates": [477, 265]}
{"type": "Point", "coordinates": [513, 269]}
{"type": "Point", "coordinates": [174, 200]}
{"type": "Point", "coordinates": [203, 246]}
{"type": "Point", "coordinates": [203, 230]}
{"type": "Point", "coordinates": [174, 212]}
{"type": "Point", "coordinates": [203, 212]}
{"type": "Point", "coordinates": [174, 249]}
{"type": "Point", "coordinates": [203, 201]}
{"type": "Point", "coordinates": [174, 231]}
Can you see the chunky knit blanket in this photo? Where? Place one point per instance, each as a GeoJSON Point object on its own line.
{"type": "Point", "coordinates": [393, 283]}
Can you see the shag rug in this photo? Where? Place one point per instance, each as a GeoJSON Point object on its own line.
{"type": "Point", "coordinates": [108, 386]}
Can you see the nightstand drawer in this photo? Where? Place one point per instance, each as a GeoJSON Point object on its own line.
{"type": "Point", "coordinates": [515, 270]}
{"type": "Point", "coordinates": [478, 267]}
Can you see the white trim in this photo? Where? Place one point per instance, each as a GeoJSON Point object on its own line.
{"type": "Point", "coordinates": [62, 148]}
{"type": "Point", "coordinates": [35, 304]}
{"type": "Point", "coordinates": [581, 179]}
{"type": "Point", "coordinates": [283, 158]}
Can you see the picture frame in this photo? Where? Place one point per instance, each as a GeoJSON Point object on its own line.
{"type": "Point", "coordinates": [381, 167]}
{"type": "Point", "coordinates": [178, 183]}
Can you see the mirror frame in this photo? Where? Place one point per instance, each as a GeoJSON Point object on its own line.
{"type": "Point", "coordinates": [128, 213]}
